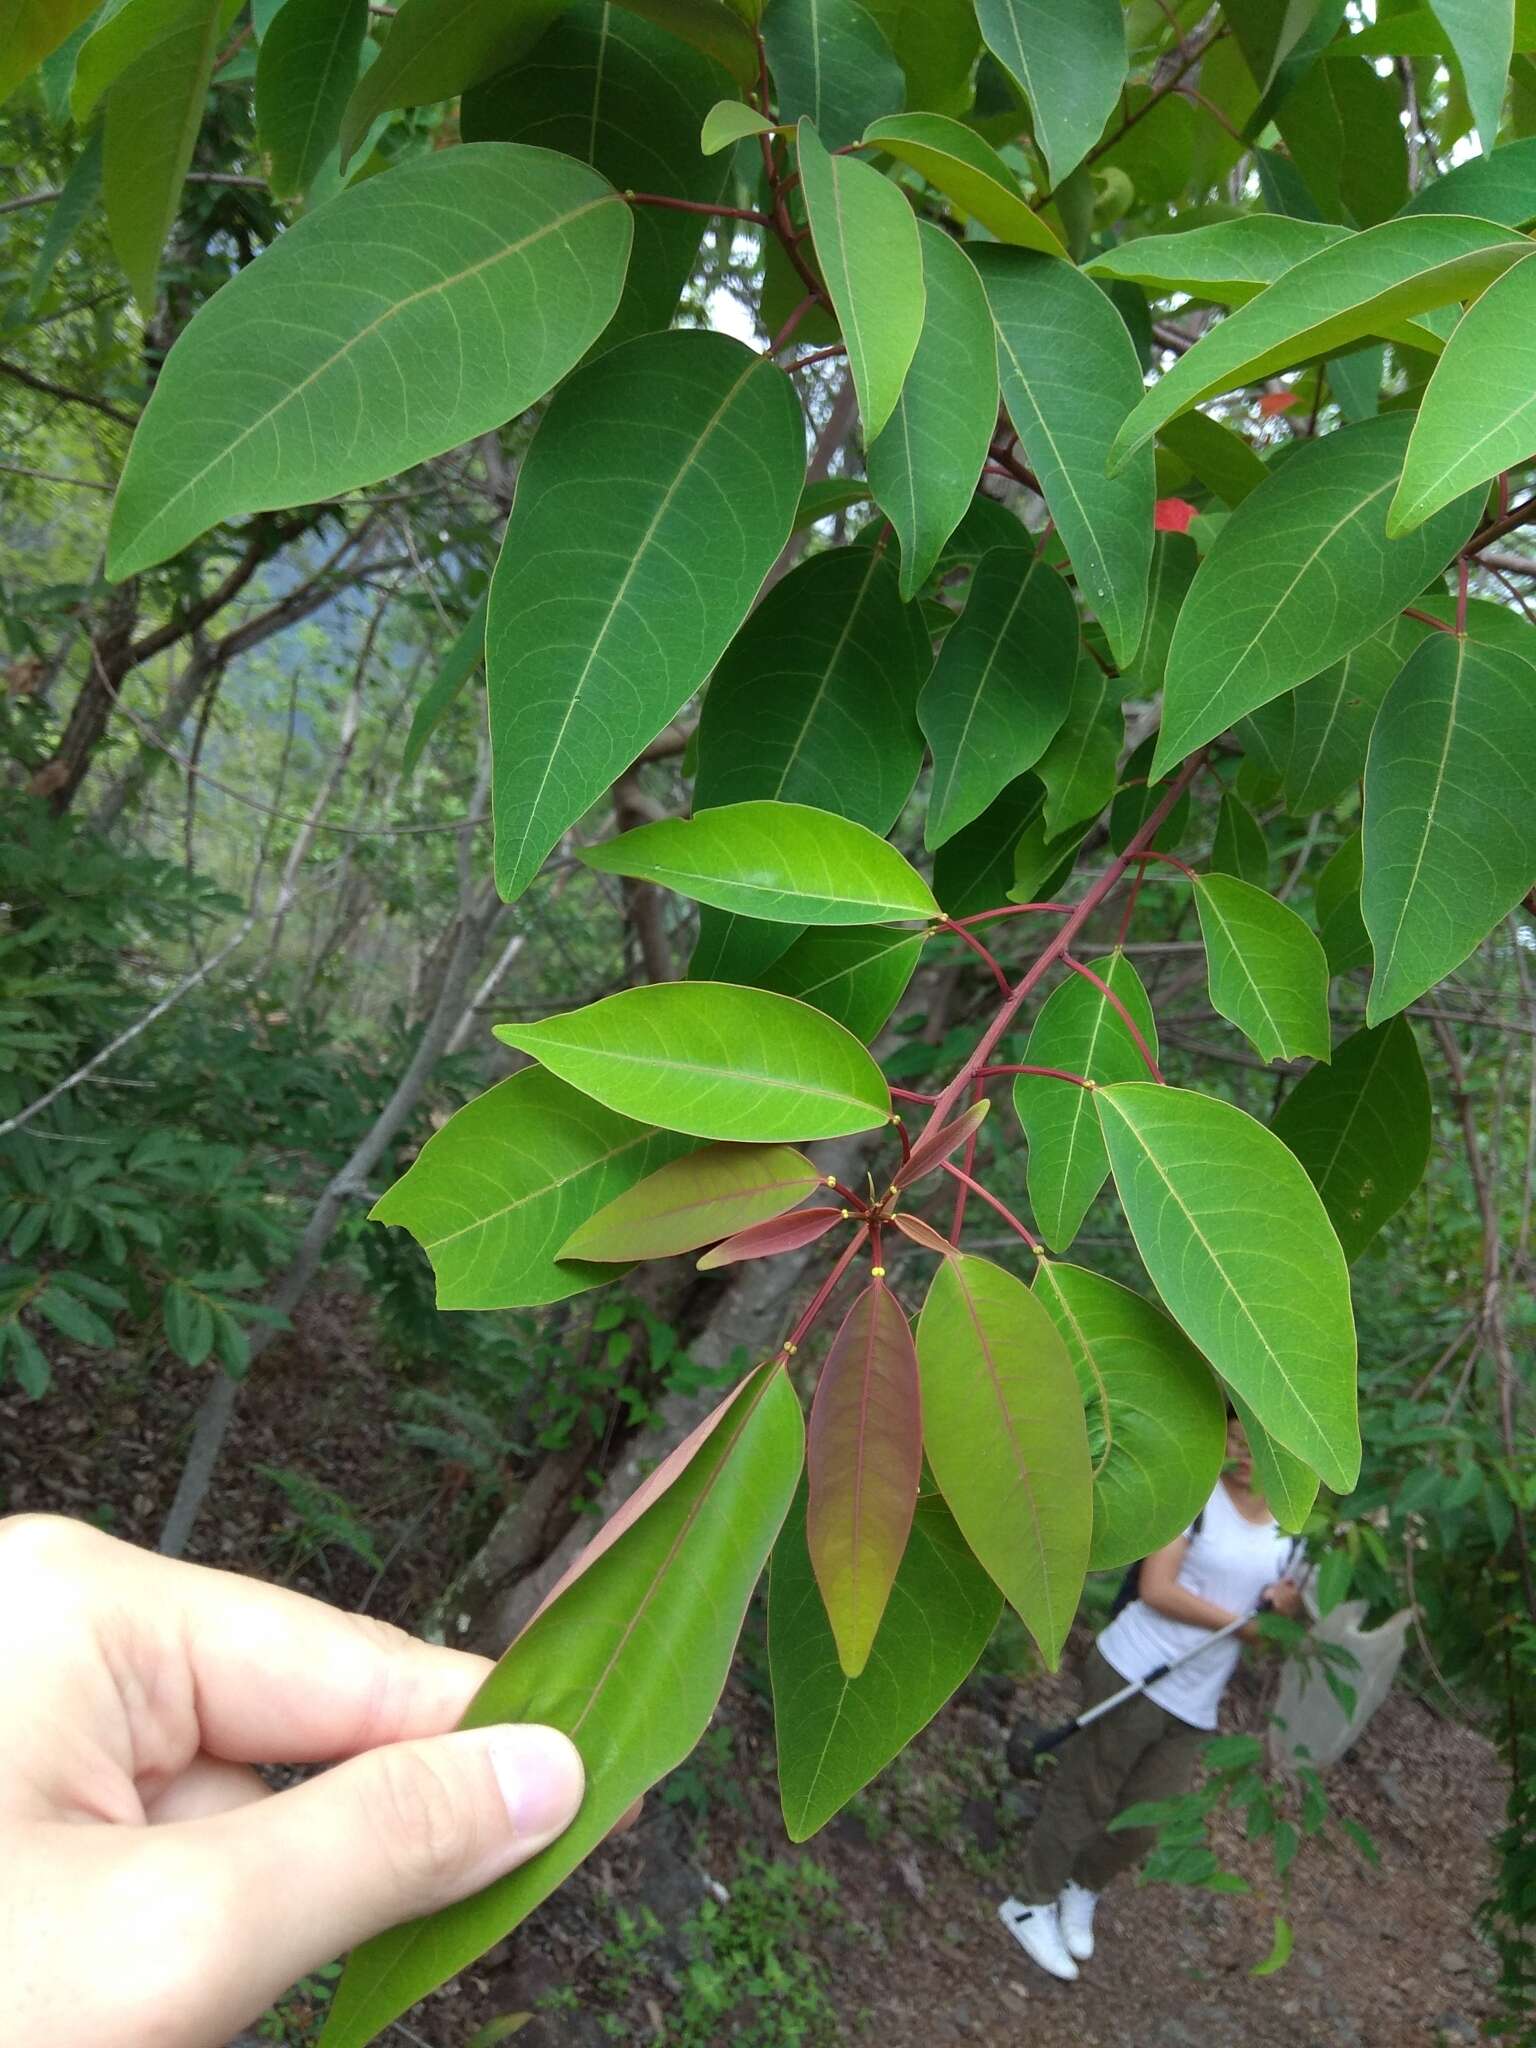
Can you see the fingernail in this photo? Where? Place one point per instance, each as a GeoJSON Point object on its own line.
{"type": "Point", "coordinates": [541, 1777]}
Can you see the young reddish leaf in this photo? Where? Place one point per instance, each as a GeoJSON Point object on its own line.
{"type": "Point", "coordinates": [694, 1201]}
{"type": "Point", "coordinates": [922, 1233]}
{"type": "Point", "coordinates": [1172, 515]}
{"type": "Point", "coordinates": [782, 1234]}
{"type": "Point", "coordinates": [1277, 401]}
{"type": "Point", "coordinates": [864, 1454]}
{"type": "Point", "coordinates": [932, 1151]}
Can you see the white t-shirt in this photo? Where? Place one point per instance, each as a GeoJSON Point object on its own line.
{"type": "Point", "coordinates": [1229, 1561]}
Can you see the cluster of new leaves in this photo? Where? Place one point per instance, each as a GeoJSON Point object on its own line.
{"type": "Point", "coordinates": [938, 194]}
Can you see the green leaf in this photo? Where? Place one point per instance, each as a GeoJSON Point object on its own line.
{"type": "Point", "coordinates": [1000, 688]}
{"type": "Point", "coordinates": [30, 30]}
{"type": "Point", "coordinates": [1080, 1031]}
{"type": "Point", "coordinates": [1361, 1127]}
{"type": "Point", "coordinates": [1229, 261]}
{"type": "Point", "coordinates": [974, 870]}
{"type": "Point", "coordinates": [629, 1662]}
{"type": "Point", "coordinates": [68, 1313]}
{"type": "Point", "coordinates": [1079, 767]}
{"type": "Point", "coordinates": [1334, 713]}
{"type": "Point", "coordinates": [1289, 1486]}
{"type": "Point", "coordinates": [936, 43]}
{"type": "Point", "coordinates": [835, 1733]}
{"type": "Point", "coordinates": [1268, 736]}
{"type": "Point", "coordinates": [76, 203]}
{"type": "Point", "coordinates": [1239, 1246]}
{"type": "Point", "coordinates": [785, 862]}
{"type": "Point", "coordinates": [863, 1457]}
{"type": "Point", "coordinates": [189, 1324]}
{"type": "Point", "coordinates": [924, 467]}
{"type": "Point", "coordinates": [493, 1196]}
{"type": "Point", "coordinates": [1174, 561]}
{"type": "Point", "coordinates": [464, 656]}
{"type": "Point", "coordinates": [716, 1061]}
{"type": "Point", "coordinates": [1336, 900]}
{"type": "Point", "coordinates": [154, 112]}
{"type": "Point", "coordinates": [1333, 1577]}
{"type": "Point", "coordinates": [1450, 812]}
{"type": "Point", "coordinates": [611, 90]}
{"type": "Point", "coordinates": [304, 76]}
{"type": "Point", "coordinates": [1366, 285]}
{"type": "Point", "coordinates": [1279, 1954]}
{"type": "Point", "coordinates": [1157, 1423]}
{"type": "Point", "coordinates": [505, 263]}
{"type": "Point", "coordinates": [436, 48]}
{"type": "Point", "coordinates": [655, 497]}
{"type": "Point", "coordinates": [1069, 62]}
{"type": "Point", "coordinates": [1004, 1433]}
{"type": "Point", "coordinates": [110, 41]}
{"type": "Point", "coordinates": [1138, 797]}
{"type": "Point", "coordinates": [721, 29]}
{"type": "Point", "coordinates": [1342, 126]}
{"type": "Point", "coordinates": [729, 122]}
{"type": "Point", "coordinates": [1268, 974]}
{"type": "Point", "coordinates": [1069, 376]}
{"type": "Point", "coordinates": [1220, 458]}
{"type": "Point", "coordinates": [965, 167]}
{"type": "Point", "coordinates": [856, 976]}
{"type": "Point", "coordinates": [1500, 187]}
{"type": "Point", "coordinates": [866, 241]}
{"type": "Point", "coordinates": [1482, 39]}
{"type": "Point", "coordinates": [1478, 415]}
{"type": "Point", "coordinates": [1240, 847]}
{"type": "Point", "coordinates": [695, 1200]}
{"type": "Point", "coordinates": [1300, 574]}
{"type": "Point", "coordinates": [831, 66]}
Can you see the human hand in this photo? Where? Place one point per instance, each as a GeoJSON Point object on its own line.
{"type": "Point", "coordinates": [1283, 1597]}
{"type": "Point", "coordinates": [153, 1892]}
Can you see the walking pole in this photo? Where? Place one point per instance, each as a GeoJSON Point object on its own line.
{"type": "Point", "coordinates": [1055, 1737]}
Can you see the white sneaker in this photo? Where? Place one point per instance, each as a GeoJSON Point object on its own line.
{"type": "Point", "coordinates": [1036, 1931]}
{"type": "Point", "coordinates": [1074, 1913]}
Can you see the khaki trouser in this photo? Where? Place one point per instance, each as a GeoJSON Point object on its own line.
{"type": "Point", "coordinates": [1140, 1751]}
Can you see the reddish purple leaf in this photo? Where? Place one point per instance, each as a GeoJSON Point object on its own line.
{"type": "Point", "coordinates": [864, 1454]}
{"type": "Point", "coordinates": [693, 1201]}
{"type": "Point", "coordinates": [933, 1150]}
{"type": "Point", "coordinates": [783, 1234]}
{"type": "Point", "coordinates": [922, 1233]}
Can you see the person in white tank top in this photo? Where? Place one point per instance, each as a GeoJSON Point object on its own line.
{"type": "Point", "coordinates": [1228, 1561]}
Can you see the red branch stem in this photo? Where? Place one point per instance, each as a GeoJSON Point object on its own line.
{"type": "Point", "coordinates": [986, 1194]}
{"type": "Point", "coordinates": [1120, 1011]}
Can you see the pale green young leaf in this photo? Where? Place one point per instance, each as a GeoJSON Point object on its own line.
{"type": "Point", "coordinates": [832, 66]}
{"type": "Point", "coordinates": [1361, 1127]}
{"type": "Point", "coordinates": [30, 30]}
{"type": "Point", "coordinates": [1482, 39]}
{"type": "Point", "coordinates": [835, 1733]}
{"type": "Point", "coordinates": [1156, 1420]}
{"type": "Point", "coordinates": [494, 1194]}
{"type": "Point", "coordinates": [925, 465]}
{"type": "Point", "coordinates": [654, 499]}
{"type": "Point", "coordinates": [1079, 767]}
{"type": "Point", "coordinates": [856, 975]}
{"type": "Point", "coordinates": [629, 1661]}
{"type": "Point", "coordinates": [1228, 261]}
{"type": "Point", "coordinates": [506, 263]}
{"type": "Point", "coordinates": [1450, 812]}
{"type": "Point", "coordinates": [76, 203]}
{"type": "Point", "coordinates": [788, 863]}
{"type": "Point", "coordinates": [436, 48]}
{"type": "Point", "coordinates": [1070, 375]}
{"type": "Point", "coordinates": [113, 38]}
{"type": "Point", "coordinates": [865, 237]}
{"type": "Point", "coordinates": [464, 655]}
{"type": "Point", "coordinates": [1300, 574]}
{"type": "Point", "coordinates": [968, 171]}
{"type": "Point", "coordinates": [1363, 286]}
{"type": "Point", "coordinates": [1080, 1031]}
{"type": "Point", "coordinates": [713, 1060]}
{"type": "Point", "coordinates": [304, 76]}
{"type": "Point", "coordinates": [1239, 1246]}
{"type": "Point", "coordinates": [695, 1200]}
{"type": "Point", "coordinates": [729, 122]}
{"type": "Point", "coordinates": [1000, 688]}
{"type": "Point", "coordinates": [1268, 974]}
{"type": "Point", "coordinates": [1287, 1483]}
{"type": "Point", "coordinates": [1070, 64]}
{"type": "Point", "coordinates": [1239, 847]}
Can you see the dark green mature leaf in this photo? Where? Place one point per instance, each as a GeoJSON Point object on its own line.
{"type": "Point", "coordinates": [1239, 847]}
{"type": "Point", "coordinates": [1289, 1485]}
{"type": "Point", "coordinates": [968, 171]}
{"type": "Point", "coordinates": [1070, 64]}
{"type": "Point", "coordinates": [925, 466]}
{"type": "Point", "coordinates": [1079, 1030]}
{"type": "Point", "coordinates": [610, 89]}
{"type": "Point", "coordinates": [1221, 459]}
{"type": "Point", "coordinates": [831, 66]}
{"type": "Point", "coordinates": [29, 31]}
{"type": "Point", "coordinates": [785, 862]}
{"type": "Point", "coordinates": [1156, 1419]}
{"type": "Point", "coordinates": [1228, 261]}
{"type": "Point", "coordinates": [975, 870]}
{"type": "Point", "coordinates": [866, 241]}
{"type": "Point", "coordinates": [109, 42]}
{"type": "Point", "coordinates": [1342, 126]}
{"type": "Point", "coordinates": [503, 263]}
{"type": "Point", "coordinates": [1337, 902]}
{"type": "Point", "coordinates": [436, 48]}
{"type": "Point", "coordinates": [722, 29]}
{"type": "Point", "coordinates": [1240, 1248]}
{"type": "Point", "coordinates": [1004, 1433]}
{"type": "Point", "coordinates": [154, 111]}
{"type": "Point", "coordinates": [1138, 797]}
{"type": "Point", "coordinates": [1479, 414]}
{"type": "Point", "coordinates": [1334, 713]}
{"type": "Point", "coordinates": [1482, 38]}
{"type": "Point", "coordinates": [716, 1061]}
{"type": "Point", "coordinates": [1070, 375]}
{"type": "Point", "coordinates": [76, 203]}
{"type": "Point", "coordinates": [494, 1194]}
{"type": "Point", "coordinates": [695, 1200]}
{"type": "Point", "coordinates": [464, 656]}
{"type": "Point", "coordinates": [304, 77]}
{"type": "Point", "coordinates": [1079, 767]}
{"type": "Point", "coordinates": [1268, 737]}
{"type": "Point", "coordinates": [1450, 812]}
{"type": "Point", "coordinates": [1268, 974]}
{"type": "Point", "coordinates": [1361, 1127]}
{"type": "Point", "coordinates": [1300, 574]}
{"type": "Point", "coordinates": [1174, 561]}
{"type": "Point", "coordinates": [657, 493]}
{"type": "Point", "coordinates": [1000, 688]}
{"type": "Point", "coordinates": [856, 976]}
{"type": "Point", "coordinates": [629, 1662]}
{"type": "Point", "coordinates": [1366, 285]}
{"type": "Point", "coordinates": [1500, 187]}
{"type": "Point", "coordinates": [835, 1733]}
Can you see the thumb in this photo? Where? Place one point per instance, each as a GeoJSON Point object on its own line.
{"type": "Point", "coordinates": [394, 1833]}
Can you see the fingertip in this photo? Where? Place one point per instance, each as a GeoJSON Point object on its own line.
{"type": "Point", "coordinates": [542, 1779]}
